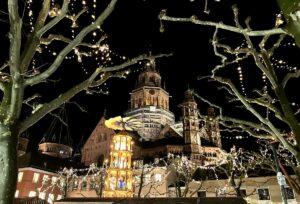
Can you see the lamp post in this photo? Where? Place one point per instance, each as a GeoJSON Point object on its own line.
{"type": "Point", "coordinates": [280, 177]}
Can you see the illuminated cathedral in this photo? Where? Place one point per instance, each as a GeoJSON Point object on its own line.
{"type": "Point", "coordinates": [158, 133]}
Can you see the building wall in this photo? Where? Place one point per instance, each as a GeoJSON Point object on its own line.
{"type": "Point", "coordinates": [150, 96]}
{"type": "Point", "coordinates": [30, 181]}
{"type": "Point", "coordinates": [80, 191]}
{"type": "Point", "coordinates": [212, 188]}
{"type": "Point", "coordinates": [97, 147]}
{"type": "Point", "coordinates": [151, 182]}
{"type": "Point", "coordinates": [251, 185]}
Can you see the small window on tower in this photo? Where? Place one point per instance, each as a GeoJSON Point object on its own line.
{"type": "Point", "coordinates": [152, 79]}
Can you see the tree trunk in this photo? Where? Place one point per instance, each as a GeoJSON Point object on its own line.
{"type": "Point", "coordinates": [141, 183]}
{"type": "Point", "coordinates": [238, 192]}
{"type": "Point", "coordinates": [8, 164]}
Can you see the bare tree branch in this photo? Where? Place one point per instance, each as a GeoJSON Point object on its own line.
{"type": "Point", "coordinates": [77, 40]}
{"type": "Point", "coordinates": [222, 26]}
{"type": "Point", "coordinates": [57, 19]}
{"type": "Point", "coordinates": [289, 76]}
{"type": "Point", "coordinates": [107, 73]}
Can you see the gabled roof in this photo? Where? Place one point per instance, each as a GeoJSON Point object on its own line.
{"type": "Point", "coordinates": [170, 130]}
{"type": "Point", "coordinates": [100, 125]}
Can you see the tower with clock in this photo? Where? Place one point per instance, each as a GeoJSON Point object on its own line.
{"type": "Point", "coordinates": [150, 103]}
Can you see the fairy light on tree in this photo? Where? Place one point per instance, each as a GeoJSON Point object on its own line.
{"type": "Point", "coordinates": [262, 50]}
{"type": "Point", "coordinates": [35, 58]}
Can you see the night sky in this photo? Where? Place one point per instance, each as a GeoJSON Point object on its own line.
{"type": "Point", "coordinates": [134, 28]}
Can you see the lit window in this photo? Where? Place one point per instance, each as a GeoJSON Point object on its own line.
{"type": "Point", "coordinates": [32, 194]}
{"type": "Point", "coordinates": [35, 178]}
{"type": "Point", "coordinates": [53, 180]}
{"type": "Point", "coordinates": [62, 182]}
{"type": "Point", "coordinates": [157, 177]}
{"type": "Point", "coordinates": [263, 194]}
{"type": "Point", "coordinates": [220, 192]}
{"type": "Point", "coordinates": [147, 178]}
{"type": "Point", "coordinates": [20, 176]}
{"type": "Point", "coordinates": [123, 143]}
{"type": "Point", "coordinates": [17, 193]}
{"type": "Point", "coordinates": [75, 185]}
{"type": "Point", "coordinates": [50, 198]}
{"type": "Point", "coordinates": [45, 178]}
{"type": "Point", "coordinates": [42, 195]}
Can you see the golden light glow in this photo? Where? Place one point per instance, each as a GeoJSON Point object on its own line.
{"type": "Point", "coordinates": [118, 182]}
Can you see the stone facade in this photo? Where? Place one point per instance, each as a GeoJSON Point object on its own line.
{"type": "Point", "coordinates": [149, 103]}
{"type": "Point", "coordinates": [158, 134]}
{"type": "Point", "coordinates": [97, 147]}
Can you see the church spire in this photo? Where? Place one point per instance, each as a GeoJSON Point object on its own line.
{"type": "Point", "coordinates": [151, 66]}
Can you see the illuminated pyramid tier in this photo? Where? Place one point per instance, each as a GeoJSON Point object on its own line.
{"type": "Point", "coordinates": [118, 182]}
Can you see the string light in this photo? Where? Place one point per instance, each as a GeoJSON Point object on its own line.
{"type": "Point", "coordinates": [240, 72]}
{"type": "Point", "coordinates": [100, 54]}
{"type": "Point", "coordinates": [237, 137]}
{"type": "Point", "coordinates": [282, 64]}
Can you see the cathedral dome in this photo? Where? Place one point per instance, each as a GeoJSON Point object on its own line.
{"type": "Point", "coordinates": [149, 77]}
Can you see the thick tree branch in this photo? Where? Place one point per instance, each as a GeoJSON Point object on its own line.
{"type": "Point", "coordinates": [290, 10]}
{"type": "Point", "coordinates": [247, 105]}
{"type": "Point", "coordinates": [220, 25]}
{"type": "Point", "coordinates": [289, 76]}
{"type": "Point", "coordinates": [33, 40]}
{"type": "Point", "coordinates": [126, 64]}
{"type": "Point", "coordinates": [62, 14]}
{"type": "Point", "coordinates": [52, 37]}
{"type": "Point", "coordinates": [48, 107]}
{"type": "Point", "coordinates": [107, 73]}
{"type": "Point", "coordinates": [14, 60]}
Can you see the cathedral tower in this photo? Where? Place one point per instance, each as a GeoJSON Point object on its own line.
{"type": "Point", "coordinates": [190, 124]}
{"type": "Point", "coordinates": [212, 127]}
{"type": "Point", "coordinates": [149, 103]}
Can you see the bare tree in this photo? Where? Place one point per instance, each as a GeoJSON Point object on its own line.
{"type": "Point", "coordinates": [241, 164]}
{"type": "Point", "coordinates": [268, 111]}
{"type": "Point", "coordinates": [17, 73]}
{"type": "Point", "coordinates": [71, 179]}
{"type": "Point", "coordinates": [146, 181]}
{"type": "Point", "coordinates": [183, 171]}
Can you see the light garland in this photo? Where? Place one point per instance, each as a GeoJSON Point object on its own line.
{"type": "Point", "coordinates": [67, 177]}
{"type": "Point", "coordinates": [101, 53]}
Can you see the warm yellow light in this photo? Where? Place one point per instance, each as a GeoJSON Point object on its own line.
{"type": "Point", "coordinates": [118, 183]}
